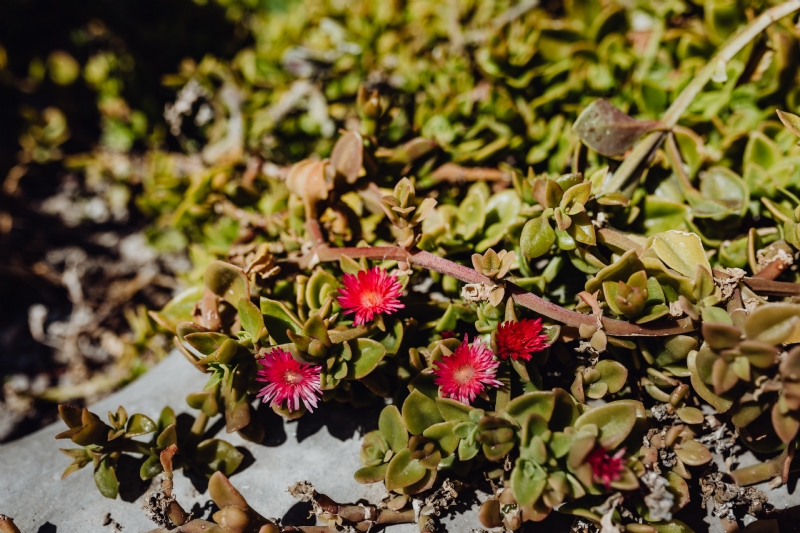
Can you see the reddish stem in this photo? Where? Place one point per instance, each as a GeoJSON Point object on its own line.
{"type": "Point", "coordinates": [772, 270]}
{"type": "Point", "coordinates": [522, 297]}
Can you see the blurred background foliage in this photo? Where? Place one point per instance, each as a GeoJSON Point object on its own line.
{"type": "Point", "coordinates": [138, 139]}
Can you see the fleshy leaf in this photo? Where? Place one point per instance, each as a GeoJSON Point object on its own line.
{"type": "Point", "coordinates": [772, 323]}
{"type": "Point", "coordinates": [227, 281]}
{"type": "Point", "coordinates": [392, 428]}
{"type": "Point", "coordinates": [420, 412]}
{"type": "Point", "coordinates": [367, 353]}
{"type": "Point", "coordinates": [614, 421]}
{"type": "Point", "coordinates": [347, 156]}
{"type": "Point", "coordinates": [453, 410]}
{"type": "Point", "coordinates": [179, 309]}
{"type": "Point", "coordinates": [607, 130]}
{"type": "Point", "coordinates": [105, 477]}
{"type": "Point", "coordinates": [139, 424]}
{"type": "Point", "coordinates": [251, 318]}
{"type": "Point", "coordinates": [540, 403]}
{"type": "Point", "coordinates": [403, 471]}
{"type": "Point", "coordinates": [216, 455]}
{"type": "Point", "coordinates": [278, 318]}
{"type": "Point", "coordinates": [537, 238]}
{"type": "Point", "coordinates": [680, 251]}
{"type": "Point", "coordinates": [371, 474]}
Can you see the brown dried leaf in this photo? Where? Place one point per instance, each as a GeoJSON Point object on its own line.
{"type": "Point", "coordinates": [347, 156]}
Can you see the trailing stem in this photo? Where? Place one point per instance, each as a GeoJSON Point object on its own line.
{"type": "Point", "coordinates": [734, 45]}
{"type": "Point", "coordinates": [522, 297]}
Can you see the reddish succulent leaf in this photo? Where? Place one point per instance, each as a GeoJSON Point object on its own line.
{"type": "Point", "coordinates": [607, 130]}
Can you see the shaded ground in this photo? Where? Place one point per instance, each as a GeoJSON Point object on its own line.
{"type": "Point", "coordinates": [73, 285]}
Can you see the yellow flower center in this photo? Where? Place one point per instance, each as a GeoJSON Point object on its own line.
{"type": "Point", "coordinates": [371, 298]}
{"type": "Point", "coordinates": [464, 374]}
{"type": "Point", "coordinates": [291, 377]}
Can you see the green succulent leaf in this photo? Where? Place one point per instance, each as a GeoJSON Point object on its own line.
{"type": "Point", "coordinates": [680, 251]}
{"type": "Point", "coordinates": [772, 323]}
{"type": "Point", "coordinates": [452, 410]}
{"type": "Point", "coordinates": [138, 425]}
{"type": "Point", "coordinates": [227, 281]}
{"type": "Point", "coordinates": [537, 238]}
{"type": "Point", "coordinates": [251, 318]}
{"type": "Point", "coordinates": [614, 421]}
{"type": "Point", "coordinates": [420, 412]}
{"type": "Point", "coordinates": [613, 373]}
{"type": "Point", "coordinates": [528, 481]}
{"type": "Point", "coordinates": [167, 437]}
{"type": "Point", "coordinates": [105, 477]}
{"type": "Point", "coordinates": [403, 471]}
{"type": "Point", "coordinates": [371, 474]}
{"type": "Point", "coordinates": [217, 455]}
{"type": "Point", "coordinates": [720, 403]}
{"type": "Point", "coordinates": [367, 353]}
{"type": "Point", "coordinates": [150, 468]}
{"type": "Point", "coordinates": [393, 429]}
{"type": "Point", "coordinates": [540, 403]}
{"type": "Point", "coordinates": [178, 310]}
{"type": "Point", "coordinates": [278, 319]}
{"type": "Point", "coordinates": [444, 435]}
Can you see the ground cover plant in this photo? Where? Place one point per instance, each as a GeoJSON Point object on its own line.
{"type": "Point", "coordinates": [557, 241]}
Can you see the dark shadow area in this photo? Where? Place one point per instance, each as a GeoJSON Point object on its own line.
{"type": "Point", "coordinates": [693, 515]}
{"type": "Point", "coordinates": [555, 522]}
{"type": "Point", "coordinates": [793, 482]}
{"type": "Point", "coordinates": [199, 481]}
{"type": "Point", "coordinates": [343, 421]}
{"type": "Point", "coordinates": [274, 432]}
{"type": "Point", "coordinates": [247, 460]}
{"type": "Point", "coordinates": [132, 485]}
{"type": "Point", "coordinates": [300, 514]}
{"type": "Point", "coordinates": [216, 427]}
{"type": "Point", "coordinates": [788, 519]}
{"type": "Point", "coordinates": [150, 38]}
{"type": "Point", "coordinates": [467, 499]}
{"type": "Point", "coordinates": [204, 511]}
{"type": "Point", "coordinates": [47, 528]}
{"type": "Point", "coordinates": [156, 34]}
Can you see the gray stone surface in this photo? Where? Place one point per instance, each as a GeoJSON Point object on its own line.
{"type": "Point", "coordinates": [322, 449]}
{"type": "Point", "coordinates": [32, 492]}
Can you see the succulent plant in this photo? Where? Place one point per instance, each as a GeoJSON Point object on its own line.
{"type": "Point", "coordinates": [558, 327]}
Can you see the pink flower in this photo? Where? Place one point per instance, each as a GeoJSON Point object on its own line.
{"type": "Point", "coordinates": [288, 380]}
{"type": "Point", "coordinates": [518, 340]}
{"type": "Point", "coordinates": [372, 292]}
{"type": "Point", "coordinates": [606, 468]}
{"type": "Point", "coordinates": [467, 372]}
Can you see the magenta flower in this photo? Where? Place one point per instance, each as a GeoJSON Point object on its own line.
{"type": "Point", "coordinates": [288, 380]}
{"type": "Point", "coordinates": [372, 292]}
{"type": "Point", "coordinates": [606, 468]}
{"type": "Point", "coordinates": [519, 340]}
{"type": "Point", "coordinates": [467, 372]}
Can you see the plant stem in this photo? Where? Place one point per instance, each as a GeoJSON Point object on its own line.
{"type": "Point", "coordinates": [199, 425]}
{"type": "Point", "coordinates": [767, 287]}
{"type": "Point", "coordinates": [675, 160]}
{"type": "Point", "coordinates": [759, 472]}
{"type": "Point", "coordinates": [616, 240]}
{"type": "Point", "coordinates": [772, 270]}
{"type": "Point", "coordinates": [522, 297]}
{"type": "Point", "coordinates": [453, 173]}
{"type": "Point", "coordinates": [734, 45]}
